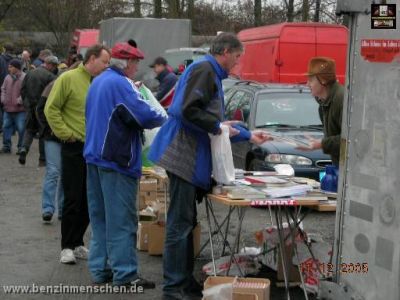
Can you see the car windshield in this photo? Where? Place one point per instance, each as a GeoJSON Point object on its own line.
{"type": "Point", "coordinates": [286, 110]}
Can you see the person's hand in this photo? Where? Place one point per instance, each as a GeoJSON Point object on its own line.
{"type": "Point", "coordinates": [313, 144]}
{"type": "Point", "coordinates": [259, 137]}
{"type": "Point", "coordinates": [231, 123]}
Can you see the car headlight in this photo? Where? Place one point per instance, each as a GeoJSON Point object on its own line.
{"type": "Point", "coordinates": [288, 159]}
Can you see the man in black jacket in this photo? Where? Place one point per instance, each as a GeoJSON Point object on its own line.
{"type": "Point", "coordinates": [32, 88]}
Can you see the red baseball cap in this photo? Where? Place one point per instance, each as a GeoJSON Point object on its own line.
{"type": "Point", "coordinates": [126, 51]}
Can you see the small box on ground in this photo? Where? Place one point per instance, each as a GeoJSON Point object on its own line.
{"type": "Point", "coordinates": [242, 288]}
{"type": "Point", "coordinates": [142, 243]}
{"type": "Point", "coordinates": [157, 239]}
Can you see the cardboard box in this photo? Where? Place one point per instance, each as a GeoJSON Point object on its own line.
{"type": "Point", "coordinates": [242, 287]}
{"type": "Point", "coordinates": [148, 185]}
{"type": "Point", "coordinates": [142, 242]}
{"type": "Point", "coordinates": [146, 198]}
{"type": "Point", "coordinates": [157, 239]}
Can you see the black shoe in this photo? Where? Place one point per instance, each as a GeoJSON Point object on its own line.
{"type": "Point", "coordinates": [5, 151]}
{"type": "Point", "coordinates": [22, 157]}
{"type": "Point", "coordinates": [144, 283]}
{"type": "Point", "coordinates": [194, 289]}
{"type": "Point", "coordinates": [47, 217]}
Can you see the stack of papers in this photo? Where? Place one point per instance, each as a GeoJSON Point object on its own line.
{"type": "Point", "coordinates": [295, 190]}
{"type": "Point", "coordinates": [245, 192]}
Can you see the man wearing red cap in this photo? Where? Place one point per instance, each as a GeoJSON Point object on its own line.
{"type": "Point", "coordinates": [116, 114]}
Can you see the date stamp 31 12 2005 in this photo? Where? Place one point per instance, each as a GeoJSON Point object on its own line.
{"type": "Point", "coordinates": [328, 269]}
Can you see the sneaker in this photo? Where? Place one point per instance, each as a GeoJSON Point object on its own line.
{"type": "Point", "coordinates": [22, 156]}
{"type": "Point", "coordinates": [67, 257]}
{"type": "Point", "coordinates": [5, 151]}
{"type": "Point", "coordinates": [18, 152]}
{"type": "Point", "coordinates": [81, 252]}
{"type": "Point", "coordinates": [47, 217]}
{"type": "Point", "coordinates": [144, 283]}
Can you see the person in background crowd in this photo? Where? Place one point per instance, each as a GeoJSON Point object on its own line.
{"type": "Point", "coordinates": [26, 60]}
{"type": "Point", "coordinates": [166, 78]}
{"type": "Point", "coordinates": [41, 58]}
{"type": "Point", "coordinates": [5, 58]}
{"type": "Point", "coordinates": [32, 88]}
{"type": "Point", "coordinates": [115, 115]}
{"type": "Point", "coordinates": [65, 113]}
{"type": "Point", "coordinates": [182, 148]}
{"type": "Point", "coordinates": [329, 94]}
{"type": "Point", "coordinates": [14, 112]}
{"type": "Point", "coordinates": [52, 185]}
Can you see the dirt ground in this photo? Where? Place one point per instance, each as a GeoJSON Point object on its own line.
{"type": "Point", "coordinates": [29, 249]}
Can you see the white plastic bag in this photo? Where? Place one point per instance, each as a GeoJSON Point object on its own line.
{"type": "Point", "coordinates": [222, 160]}
{"type": "Point", "coordinates": [149, 134]}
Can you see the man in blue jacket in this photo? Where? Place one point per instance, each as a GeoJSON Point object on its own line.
{"type": "Point", "coordinates": [116, 113]}
{"type": "Point", "coordinates": [182, 147]}
{"type": "Point", "coordinates": [166, 78]}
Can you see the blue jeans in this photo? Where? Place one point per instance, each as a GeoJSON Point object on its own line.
{"type": "Point", "coordinates": [113, 217]}
{"type": "Point", "coordinates": [52, 185]}
{"type": "Point", "coordinates": [12, 120]}
{"type": "Point", "coordinates": [178, 259]}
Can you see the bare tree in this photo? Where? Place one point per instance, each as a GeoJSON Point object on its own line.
{"type": "Point", "coordinates": [190, 9]}
{"type": "Point", "coordinates": [137, 13]}
{"type": "Point", "coordinates": [290, 10]}
{"type": "Point", "coordinates": [257, 13]}
{"type": "Point", "coordinates": [305, 11]}
{"type": "Point", "coordinates": [5, 7]}
{"type": "Point", "coordinates": [157, 9]}
{"type": "Point", "coordinates": [173, 8]}
{"type": "Point", "coordinates": [317, 10]}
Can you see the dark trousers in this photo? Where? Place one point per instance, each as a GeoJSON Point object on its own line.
{"type": "Point", "coordinates": [178, 258]}
{"type": "Point", "coordinates": [75, 216]}
{"type": "Point", "coordinates": [31, 130]}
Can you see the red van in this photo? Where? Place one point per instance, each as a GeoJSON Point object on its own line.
{"type": "Point", "coordinates": [84, 38]}
{"type": "Point", "coordinates": [280, 52]}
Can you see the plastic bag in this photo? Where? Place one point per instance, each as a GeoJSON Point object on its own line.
{"type": "Point", "coordinates": [149, 134]}
{"type": "Point", "coordinates": [222, 160]}
{"type": "Point", "coordinates": [219, 292]}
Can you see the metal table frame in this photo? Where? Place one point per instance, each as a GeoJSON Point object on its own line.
{"type": "Point", "coordinates": [281, 211]}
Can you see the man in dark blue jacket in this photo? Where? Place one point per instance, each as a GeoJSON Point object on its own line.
{"type": "Point", "coordinates": [115, 115]}
{"type": "Point", "coordinates": [182, 147]}
{"type": "Point", "coordinates": [166, 78]}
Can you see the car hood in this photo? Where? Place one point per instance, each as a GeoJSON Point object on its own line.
{"type": "Point", "coordinates": [286, 140]}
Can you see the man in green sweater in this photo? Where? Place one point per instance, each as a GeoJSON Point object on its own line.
{"type": "Point", "coordinates": [65, 113]}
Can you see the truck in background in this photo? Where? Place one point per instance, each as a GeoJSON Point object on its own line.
{"type": "Point", "coordinates": [153, 37]}
{"type": "Point", "coordinates": [280, 52]}
{"type": "Point", "coordinates": [82, 39]}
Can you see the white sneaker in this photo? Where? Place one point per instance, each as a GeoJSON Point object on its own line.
{"type": "Point", "coordinates": [67, 257]}
{"type": "Point", "coordinates": [81, 252]}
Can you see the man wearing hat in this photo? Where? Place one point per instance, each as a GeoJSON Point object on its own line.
{"type": "Point", "coordinates": [65, 113]}
{"type": "Point", "coordinates": [166, 78]}
{"type": "Point", "coordinates": [32, 87]}
{"type": "Point", "coordinates": [14, 112]}
{"type": "Point", "coordinates": [329, 94]}
{"type": "Point", "coordinates": [116, 113]}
